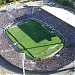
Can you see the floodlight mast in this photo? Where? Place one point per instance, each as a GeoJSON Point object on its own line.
{"type": "Point", "coordinates": [22, 57]}
{"type": "Point", "coordinates": [23, 67]}
{"type": "Point", "coordinates": [42, 2]}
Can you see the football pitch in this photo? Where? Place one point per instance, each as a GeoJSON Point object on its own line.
{"type": "Point", "coordinates": [33, 38]}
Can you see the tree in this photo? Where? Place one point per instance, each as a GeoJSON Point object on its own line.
{"type": "Point", "coordinates": [14, 0]}
{"type": "Point", "coordinates": [7, 1]}
{"type": "Point", "coordinates": [2, 2]}
{"type": "Point", "coordinates": [66, 2]}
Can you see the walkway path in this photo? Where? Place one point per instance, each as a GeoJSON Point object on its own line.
{"type": "Point", "coordinates": [19, 5]}
{"type": "Point", "coordinates": [1, 71]}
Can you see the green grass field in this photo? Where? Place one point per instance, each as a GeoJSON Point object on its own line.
{"type": "Point", "coordinates": [34, 40]}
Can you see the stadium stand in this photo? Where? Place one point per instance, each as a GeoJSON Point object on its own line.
{"type": "Point", "coordinates": [11, 54]}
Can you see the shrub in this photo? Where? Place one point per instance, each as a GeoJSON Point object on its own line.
{"type": "Point", "coordinates": [14, 0]}
{"type": "Point", "coordinates": [66, 3]}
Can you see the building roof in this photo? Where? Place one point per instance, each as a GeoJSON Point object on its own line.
{"type": "Point", "coordinates": [62, 14]}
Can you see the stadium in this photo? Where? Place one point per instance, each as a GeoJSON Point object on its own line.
{"type": "Point", "coordinates": [47, 41]}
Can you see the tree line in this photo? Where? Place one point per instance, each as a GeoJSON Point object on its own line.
{"type": "Point", "coordinates": [9, 1]}
{"type": "Point", "coordinates": [6, 1]}
{"type": "Point", "coordinates": [69, 3]}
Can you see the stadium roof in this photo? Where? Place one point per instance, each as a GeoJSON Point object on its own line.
{"type": "Point", "coordinates": [62, 14]}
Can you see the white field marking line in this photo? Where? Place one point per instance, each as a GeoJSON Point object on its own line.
{"type": "Point", "coordinates": [54, 53]}
{"type": "Point", "coordinates": [52, 47]}
{"type": "Point", "coordinates": [13, 26]}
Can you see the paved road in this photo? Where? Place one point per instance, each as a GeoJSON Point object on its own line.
{"type": "Point", "coordinates": [1, 71]}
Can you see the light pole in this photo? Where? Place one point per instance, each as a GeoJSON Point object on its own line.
{"type": "Point", "coordinates": [23, 67]}
{"type": "Point", "coordinates": [22, 57]}
{"type": "Point", "coordinates": [42, 2]}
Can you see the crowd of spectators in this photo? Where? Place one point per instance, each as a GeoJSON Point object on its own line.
{"type": "Point", "coordinates": [66, 56]}
{"type": "Point", "coordinates": [64, 29]}
{"type": "Point", "coordinates": [62, 58]}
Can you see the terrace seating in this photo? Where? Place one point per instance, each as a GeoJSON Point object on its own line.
{"type": "Point", "coordinates": [57, 25]}
{"type": "Point", "coordinates": [67, 54]}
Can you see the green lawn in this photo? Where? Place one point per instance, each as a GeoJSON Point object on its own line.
{"type": "Point", "coordinates": [35, 39]}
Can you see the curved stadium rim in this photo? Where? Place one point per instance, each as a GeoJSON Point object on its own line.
{"type": "Point", "coordinates": [7, 59]}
